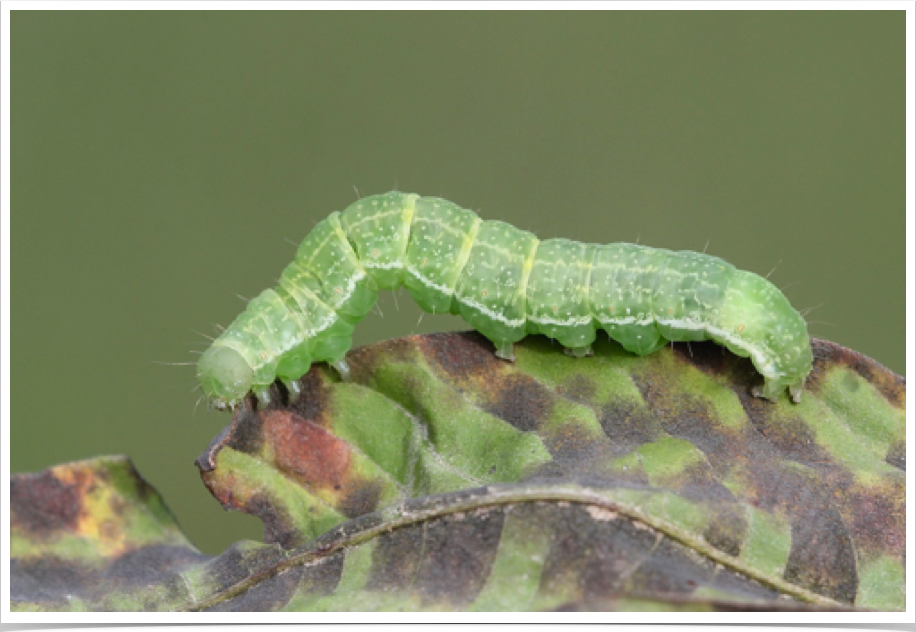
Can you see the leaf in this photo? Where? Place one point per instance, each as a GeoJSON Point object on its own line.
{"type": "Point", "coordinates": [441, 478]}
{"type": "Point", "coordinates": [92, 535]}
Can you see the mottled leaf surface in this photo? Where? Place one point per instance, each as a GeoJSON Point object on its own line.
{"type": "Point", "coordinates": [442, 478]}
{"type": "Point", "coordinates": [93, 535]}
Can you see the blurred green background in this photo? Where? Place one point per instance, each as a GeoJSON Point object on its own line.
{"type": "Point", "coordinates": [163, 161]}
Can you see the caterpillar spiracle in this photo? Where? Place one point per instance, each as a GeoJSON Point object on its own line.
{"type": "Point", "coordinates": [504, 282]}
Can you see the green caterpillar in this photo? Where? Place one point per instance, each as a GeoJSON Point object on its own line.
{"type": "Point", "coordinates": [506, 284]}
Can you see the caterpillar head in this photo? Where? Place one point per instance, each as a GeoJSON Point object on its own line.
{"type": "Point", "coordinates": [224, 376]}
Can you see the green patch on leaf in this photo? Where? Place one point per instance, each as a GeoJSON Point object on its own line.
{"type": "Point", "coordinates": [768, 543]}
{"type": "Point", "coordinates": [882, 584]}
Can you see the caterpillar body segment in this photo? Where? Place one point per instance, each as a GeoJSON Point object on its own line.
{"type": "Point", "coordinates": [506, 284]}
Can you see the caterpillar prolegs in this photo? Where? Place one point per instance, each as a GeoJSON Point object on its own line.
{"type": "Point", "coordinates": [505, 283]}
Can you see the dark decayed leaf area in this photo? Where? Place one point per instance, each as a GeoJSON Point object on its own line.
{"type": "Point", "coordinates": [442, 478]}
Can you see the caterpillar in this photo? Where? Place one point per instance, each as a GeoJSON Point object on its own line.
{"type": "Point", "coordinates": [505, 283]}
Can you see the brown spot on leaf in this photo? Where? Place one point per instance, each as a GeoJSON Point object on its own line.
{"type": "Point", "coordinates": [240, 561]}
{"type": "Point", "coordinates": [396, 559]}
{"type": "Point", "coordinates": [879, 519]}
{"type": "Point", "coordinates": [312, 403]}
{"type": "Point", "coordinates": [628, 426]}
{"type": "Point", "coordinates": [305, 451]}
{"type": "Point", "coordinates": [279, 527]}
{"type": "Point", "coordinates": [822, 556]}
{"type": "Point", "coordinates": [574, 447]}
{"type": "Point", "coordinates": [321, 579]}
{"type": "Point", "coordinates": [300, 449]}
{"type": "Point", "coordinates": [245, 434]}
{"type": "Point", "coordinates": [457, 555]}
{"type": "Point", "coordinates": [896, 455]}
{"type": "Point", "coordinates": [150, 565]}
{"type": "Point", "coordinates": [669, 569]}
{"type": "Point", "coordinates": [790, 435]}
{"type": "Point", "coordinates": [460, 354]}
{"type": "Point", "coordinates": [41, 504]}
{"type": "Point", "coordinates": [727, 528]}
{"type": "Point", "coordinates": [361, 499]}
{"type": "Point", "coordinates": [583, 555]}
{"type": "Point", "coordinates": [707, 356]}
{"type": "Point", "coordinates": [269, 595]}
{"type": "Point", "coordinates": [578, 389]}
{"type": "Point", "coordinates": [520, 400]}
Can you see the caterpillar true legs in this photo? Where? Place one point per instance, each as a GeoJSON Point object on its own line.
{"type": "Point", "coordinates": [505, 283]}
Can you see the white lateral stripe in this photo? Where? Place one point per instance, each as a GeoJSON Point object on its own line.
{"type": "Point", "coordinates": [326, 322]}
{"type": "Point", "coordinates": [624, 321]}
{"type": "Point", "coordinates": [562, 323]}
{"type": "Point", "coordinates": [765, 365]}
{"type": "Point", "coordinates": [427, 281]}
{"type": "Point", "coordinates": [392, 265]}
{"type": "Point", "coordinates": [518, 322]}
{"type": "Point", "coordinates": [470, 303]}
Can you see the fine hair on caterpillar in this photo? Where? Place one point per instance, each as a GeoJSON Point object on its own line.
{"type": "Point", "coordinates": [506, 284]}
